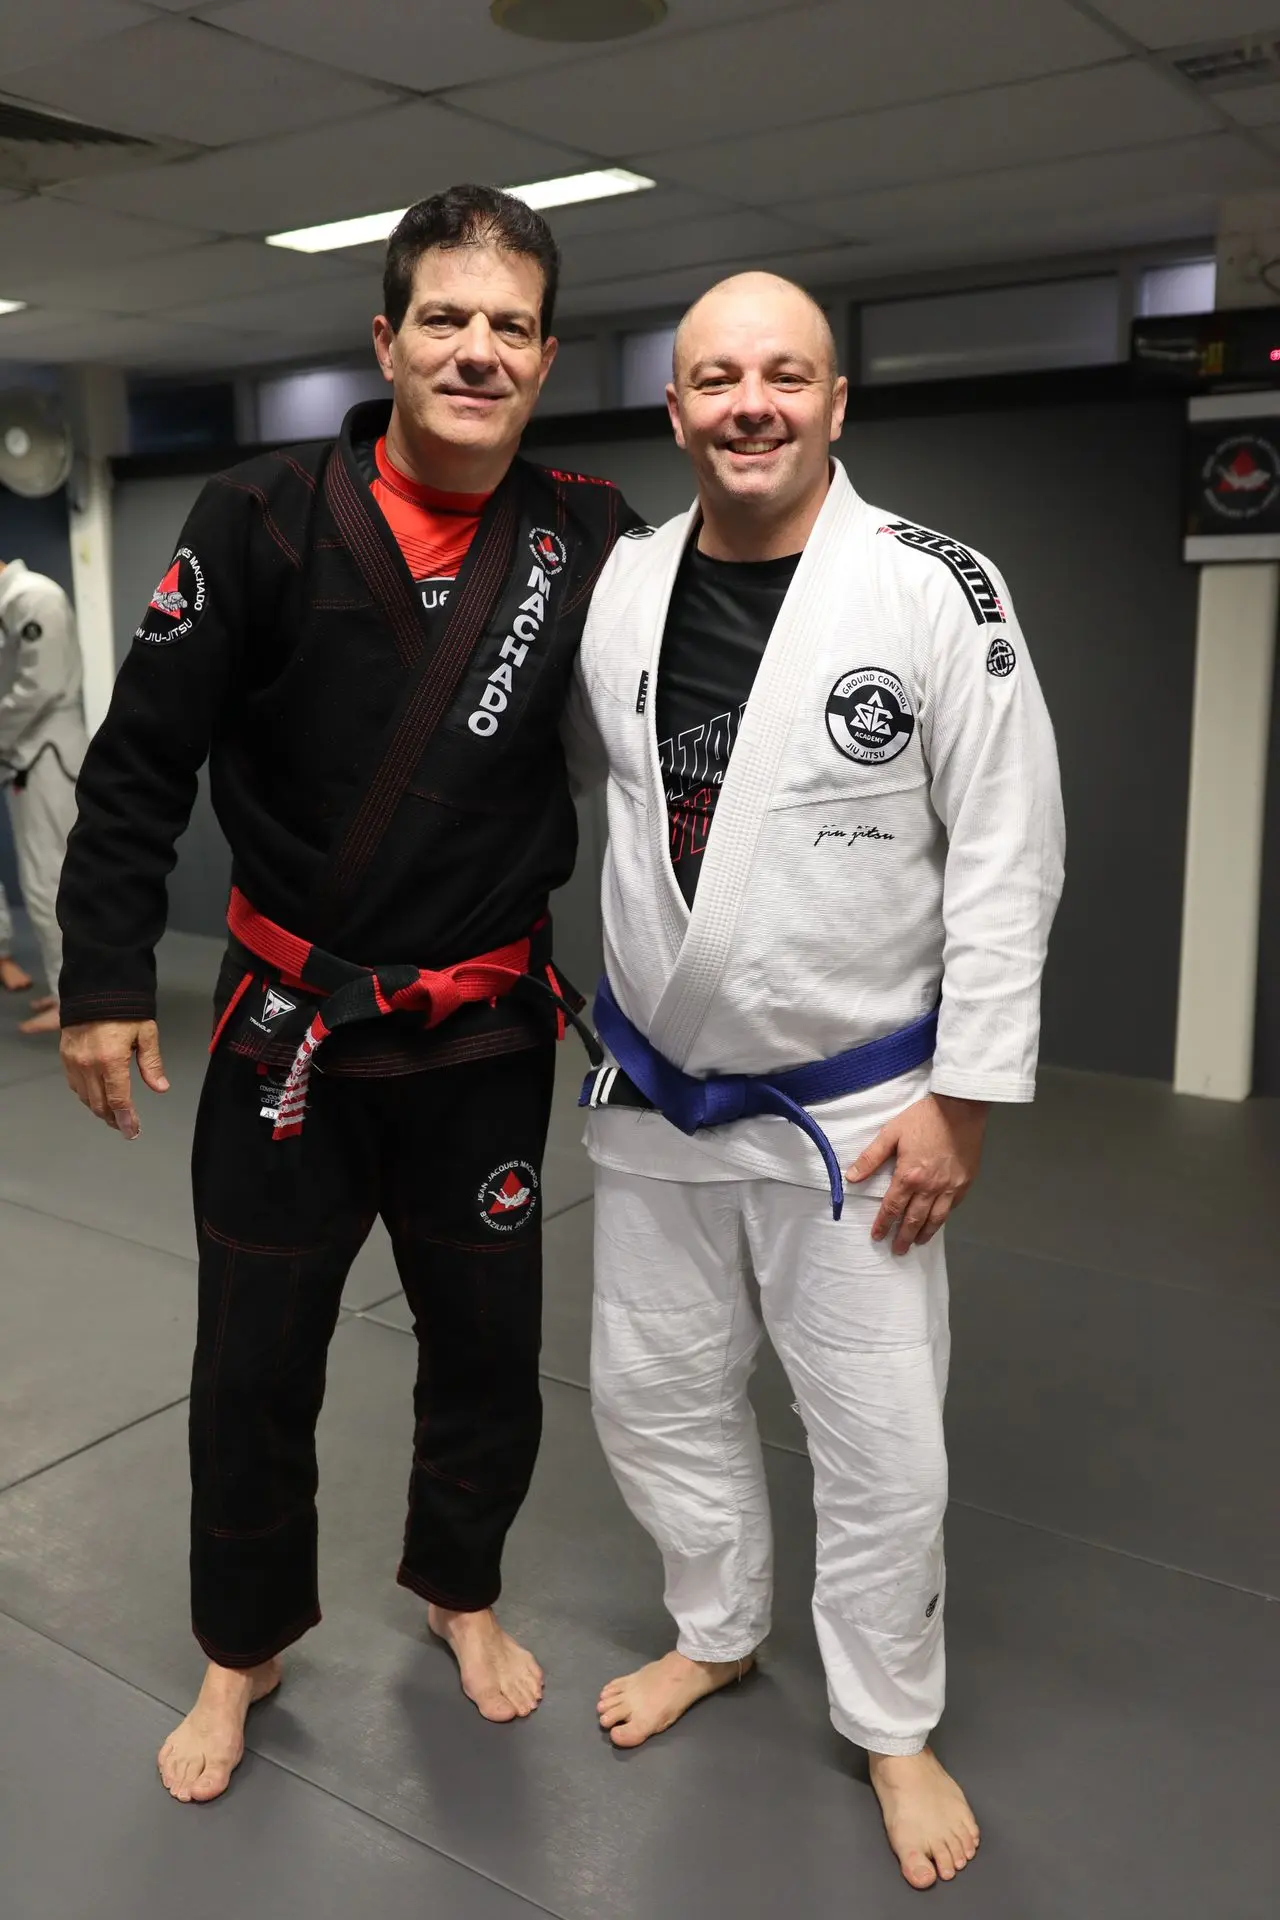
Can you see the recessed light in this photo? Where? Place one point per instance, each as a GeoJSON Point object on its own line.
{"type": "Point", "coordinates": [577, 19]}
{"type": "Point", "coordinates": [372, 228]}
{"type": "Point", "coordinates": [12, 306]}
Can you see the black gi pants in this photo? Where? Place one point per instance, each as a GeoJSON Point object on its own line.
{"type": "Point", "coordinates": [451, 1159]}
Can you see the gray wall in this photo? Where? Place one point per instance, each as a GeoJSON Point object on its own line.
{"type": "Point", "coordinates": [1266, 1070]}
{"type": "Point", "coordinates": [35, 531]}
{"type": "Point", "coordinates": [1079, 507]}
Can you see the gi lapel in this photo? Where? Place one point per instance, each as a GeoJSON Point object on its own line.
{"type": "Point", "coordinates": [436, 650]}
{"type": "Point", "coordinates": [673, 913]}
{"type": "Point", "coordinates": [749, 785]}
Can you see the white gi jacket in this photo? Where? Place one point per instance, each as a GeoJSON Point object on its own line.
{"type": "Point", "coordinates": [41, 673]}
{"type": "Point", "coordinates": [890, 828]}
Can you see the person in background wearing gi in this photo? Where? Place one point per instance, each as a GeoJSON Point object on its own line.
{"type": "Point", "coordinates": [835, 851]}
{"type": "Point", "coordinates": [42, 743]}
{"type": "Point", "coordinates": [371, 640]}
{"type": "Point", "coordinates": [13, 977]}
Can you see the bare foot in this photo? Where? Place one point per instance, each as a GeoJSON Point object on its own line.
{"type": "Point", "coordinates": [929, 1822]}
{"type": "Point", "coordinates": [45, 1019]}
{"type": "Point", "coordinates": [641, 1704]}
{"type": "Point", "coordinates": [198, 1759]}
{"type": "Point", "coordinates": [499, 1675]}
{"type": "Point", "coordinates": [13, 978]}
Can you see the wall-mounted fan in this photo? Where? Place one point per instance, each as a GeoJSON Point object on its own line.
{"type": "Point", "coordinates": [35, 445]}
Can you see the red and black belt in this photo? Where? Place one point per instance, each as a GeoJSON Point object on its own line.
{"type": "Point", "coordinates": [347, 994]}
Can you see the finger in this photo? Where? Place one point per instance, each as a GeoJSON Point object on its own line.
{"type": "Point", "coordinates": [918, 1210]}
{"type": "Point", "coordinates": [95, 1097]}
{"type": "Point", "coordinates": [118, 1092]}
{"type": "Point", "coordinates": [882, 1148]}
{"type": "Point", "coordinates": [937, 1219]}
{"type": "Point", "coordinates": [892, 1208]}
{"type": "Point", "coordinates": [150, 1065]}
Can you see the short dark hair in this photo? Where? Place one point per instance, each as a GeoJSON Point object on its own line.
{"type": "Point", "coordinates": [468, 216]}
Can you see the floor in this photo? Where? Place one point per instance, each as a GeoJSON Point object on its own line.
{"type": "Point", "coordinates": [1115, 1559]}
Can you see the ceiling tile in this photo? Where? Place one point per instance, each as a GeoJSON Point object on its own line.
{"type": "Point", "coordinates": [58, 336]}
{"type": "Point", "coordinates": [789, 69]}
{"type": "Point", "coordinates": [677, 287]}
{"type": "Point", "coordinates": [180, 79]}
{"type": "Point", "coordinates": [41, 234]}
{"type": "Point", "coordinates": [438, 43]}
{"type": "Point", "coordinates": [1125, 105]}
{"type": "Point", "coordinates": [215, 270]}
{"type": "Point", "coordinates": [1212, 164]}
{"type": "Point", "coordinates": [39, 31]}
{"type": "Point", "coordinates": [696, 243]}
{"type": "Point", "coordinates": [362, 166]}
{"type": "Point", "coordinates": [1253, 106]}
{"type": "Point", "coordinates": [341, 306]}
{"type": "Point", "coordinates": [1176, 23]}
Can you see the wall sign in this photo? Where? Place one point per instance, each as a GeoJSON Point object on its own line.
{"type": "Point", "coordinates": [1231, 478]}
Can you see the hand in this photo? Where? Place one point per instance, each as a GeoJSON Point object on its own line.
{"type": "Point", "coordinates": [938, 1143]}
{"type": "Point", "coordinates": [96, 1059]}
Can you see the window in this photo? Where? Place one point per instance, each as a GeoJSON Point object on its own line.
{"type": "Point", "coordinates": [1183, 286]}
{"type": "Point", "coordinates": [311, 405]}
{"type": "Point", "coordinates": [646, 366]}
{"type": "Point", "coordinates": [951, 336]}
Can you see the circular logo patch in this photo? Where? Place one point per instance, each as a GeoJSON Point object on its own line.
{"type": "Point", "coordinates": [177, 603]}
{"type": "Point", "coordinates": [1001, 659]}
{"type": "Point", "coordinates": [548, 549]}
{"type": "Point", "coordinates": [509, 1197]}
{"type": "Point", "coordinates": [869, 715]}
{"type": "Point", "coordinates": [1241, 478]}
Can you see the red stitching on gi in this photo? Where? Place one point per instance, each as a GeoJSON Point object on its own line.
{"type": "Point", "coordinates": [230, 1008]}
{"type": "Point", "coordinates": [437, 1597]}
{"type": "Point", "coordinates": [269, 1652]}
{"type": "Point", "coordinates": [386, 584]}
{"type": "Point", "coordinates": [287, 460]}
{"type": "Point", "coordinates": [247, 1246]}
{"type": "Point", "coordinates": [268, 519]}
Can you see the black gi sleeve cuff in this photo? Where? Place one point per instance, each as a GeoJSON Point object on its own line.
{"type": "Point", "coordinates": [87, 1007]}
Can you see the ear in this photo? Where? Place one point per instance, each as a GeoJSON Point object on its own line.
{"type": "Point", "coordinates": [550, 347]}
{"type": "Point", "coordinates": [839, 401]}
{"type": "Point", "coordinates": [673, 410]}
{"type": "Point", "coordinates": [384, 336]}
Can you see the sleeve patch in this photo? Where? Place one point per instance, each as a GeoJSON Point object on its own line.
{"type": "Point", "coordinates": [177, 604]}
{"type": "Point", "coordinates": [975, 582]}
{"type": "Point", "coordinates": [1001, 659]}
{"type": "Point", "coordinates": [638, 533]}
{"type": "Point", "coordinates": [32, 631]}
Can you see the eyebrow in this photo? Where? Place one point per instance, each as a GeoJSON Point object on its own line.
{"type": "Point", "coordinates": [451, 310]}
{"type": "Point", "coordinates": [728, 364]}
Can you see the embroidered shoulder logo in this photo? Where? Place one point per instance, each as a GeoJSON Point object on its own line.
{"type": "Point", "coordinates": [549, 550]}
{"type": "Point", "coordinates": [508, 1198]}
{"type": "Point", "coordinates": [177, 603]}
{"type": "Point", "coordinates": [1001, 659]}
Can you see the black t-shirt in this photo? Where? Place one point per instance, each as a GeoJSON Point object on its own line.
{"type": "Point", "coordinates": [718, 625]}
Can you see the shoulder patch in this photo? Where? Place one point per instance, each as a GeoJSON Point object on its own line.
{"type": "Point", "coordinates": [638, 533]}
{"type": "Point", "coordinates": [1001, 658]}
{"type": "Point", "coordinates": [177, 603]}
{"type": "Point", "coordinates": [975, 582]}
{"type": "Point", "coordinates": [32, 630]}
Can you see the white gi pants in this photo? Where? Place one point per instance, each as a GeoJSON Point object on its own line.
{"type": "Point", "coordinates": [864, 1339]}
{"type": "Point", "coordinates": [42, 816]}
{"type": "Point", "coordinates": [6, 924]}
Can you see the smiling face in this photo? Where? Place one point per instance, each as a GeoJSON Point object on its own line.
{"type": "Point", "coordinates": [755, 399]}
{"type": "Point", "coordinates": [467, 364]}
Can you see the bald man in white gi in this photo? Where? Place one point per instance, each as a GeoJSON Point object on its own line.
{"type": "Point", "coordinates": [835, 851]}
{"type": "Point", "coordinates": [42, 745]}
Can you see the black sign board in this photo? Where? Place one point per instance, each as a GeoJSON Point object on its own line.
{"type": "Point", "coordinates": [1232, 487]}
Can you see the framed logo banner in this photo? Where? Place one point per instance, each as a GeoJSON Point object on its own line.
{"type": "Point", "coordinates": [1231, 478]}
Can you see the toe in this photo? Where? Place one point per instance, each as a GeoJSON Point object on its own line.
{"type": "Point", "coordinates": [614, 1715]}
{"type": "Point", "coordinates": [628, 1734]}
{"type": "Point", "coordinates": [920, 1871]}
{"type": "Point", "coordinates": [493, 1705]}
{"type": "Point", "coordinates": [211, 1783]}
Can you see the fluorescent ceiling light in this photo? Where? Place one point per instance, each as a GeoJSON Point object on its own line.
{"type": "Point", "coordinates": [571, 188]}
{"type": "Point", "coordinates": [12, 306]}
{"type": "Point", "coordinates": [370, 229]}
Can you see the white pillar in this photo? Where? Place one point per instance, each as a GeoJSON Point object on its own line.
{"type": "Point", "coordinates": [1235, 651]}
{"type": "Point", "coordinates": [95, 400]}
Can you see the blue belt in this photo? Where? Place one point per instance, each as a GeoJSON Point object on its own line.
{"type": "Point", "coordinates": [692, 1104]}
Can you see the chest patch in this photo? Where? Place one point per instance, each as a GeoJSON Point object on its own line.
{"type": "Point", "coordinates": [869, 716]}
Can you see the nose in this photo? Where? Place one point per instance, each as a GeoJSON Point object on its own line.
{"type": "Point", "coordinates": [476, 347]}
{"type": "Point", "coordinates": [752, 402]}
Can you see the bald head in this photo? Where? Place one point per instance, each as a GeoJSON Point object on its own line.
{"type": "Point", "coordinates": [763, 305]}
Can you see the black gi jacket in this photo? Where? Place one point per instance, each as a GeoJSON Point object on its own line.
{"type": "Point", "coordinates": [390, 781]}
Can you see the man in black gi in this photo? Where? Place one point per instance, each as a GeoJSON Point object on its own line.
{"type": "Point", "coordinates": [385, 763]}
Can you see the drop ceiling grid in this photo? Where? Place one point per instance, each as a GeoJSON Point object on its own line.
{"type": "Point", "coordinates": [1051, 117]}
{"type": "Point", "coordinates": [37, 31]}
{"type": "Point", "coordinates": [214, 270]}
{"type": "Point", "coordinates": [1177, 23]}
{"type": "Point", "coordinates": [184, 80]}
